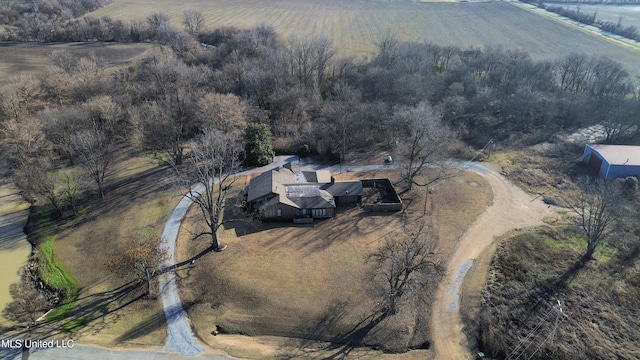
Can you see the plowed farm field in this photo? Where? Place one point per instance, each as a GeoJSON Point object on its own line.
{"type": "Point", "coordinates": [353, 25]}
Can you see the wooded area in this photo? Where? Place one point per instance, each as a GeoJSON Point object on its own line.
{"type": "Point", "coordinates": [306, 96]}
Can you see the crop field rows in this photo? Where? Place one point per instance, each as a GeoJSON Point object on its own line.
{"type": "Point", "coordinates": [353, 25]}
{"type": "Point", "coordinates": [34, 57]}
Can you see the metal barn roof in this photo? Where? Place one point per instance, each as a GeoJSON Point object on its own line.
{"type": "Point", "coordinates": [619, 154]}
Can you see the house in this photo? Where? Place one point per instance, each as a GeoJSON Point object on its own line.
{"type": "Point", "coordinates": [613, 161]}
{"type": "Point", "coordinates": [287, 193]}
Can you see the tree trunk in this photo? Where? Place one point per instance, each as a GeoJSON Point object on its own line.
{"type": "Point", "coordinates": [100, 188]}
{"type": "Point", "coordinates": [588, 255]}
{"type": "Point", "coordinates": [215, 243]}
{"type": "Point", "coordinates": [146, 270]}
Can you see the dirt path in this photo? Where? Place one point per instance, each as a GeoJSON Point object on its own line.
{"type": "Point", "coordinates": [512, 208]}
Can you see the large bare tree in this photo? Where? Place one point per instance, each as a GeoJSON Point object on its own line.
{"type": "Point", "coordinates": [403, 265]}
{"type": "Point", "coordinates": [342, 111]}
{"type": "Point", "coordinates": [213, 159]}
{"type": "Point", "coordinates": [424, 144]}
{"type": "Point", "coordinates": [95, 153]}
{"type": "Point", "coordinates": [193, 21]}
{"type": "Point", "coordinates": [309, 59]}
{"type": "Point", "coordinates": [595, 205]}
{"type": "Point", "coordinates": [225, 112]}
{"type": "Point", "coordinates": [173, 89]}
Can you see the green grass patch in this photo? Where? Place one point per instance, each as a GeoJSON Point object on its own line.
{"type": "Point", "coordinates": [76, 219]}
{"type": "Point", "coordinates": [56, 277]}
{"type": "Point", "coordinates": [48, 225]}
{"type": "Point", "coordinates": [163, 160]}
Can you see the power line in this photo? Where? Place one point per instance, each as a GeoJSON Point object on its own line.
{"type": "Point", "coordinates": [542, 327]}
{"type": "Point", "coordinates": [533, 334]}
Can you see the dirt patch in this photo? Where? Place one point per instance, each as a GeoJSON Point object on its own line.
{"type": "Point", "coordinates": [310, 281]}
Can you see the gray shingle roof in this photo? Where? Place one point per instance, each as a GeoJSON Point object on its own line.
{"type": "Point", "coordinates": [344, 188]}
{"type": "Point", "coordinates": [268, 183]}
{"type": "Point", "coordinates": [309, 196]}
{"type": "Point", "coordinates": [302, 190]}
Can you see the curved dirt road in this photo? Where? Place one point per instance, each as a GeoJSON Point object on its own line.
{"type": "Point", "coordinates": [512, 208]}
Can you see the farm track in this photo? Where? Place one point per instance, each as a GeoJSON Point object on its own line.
{"type": "Point", "coordinates": [512, 208]}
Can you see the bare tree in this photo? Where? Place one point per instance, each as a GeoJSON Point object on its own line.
{"type": "Point", "coordinates": [157, 24]}
{"type": "Point", "coordinates": [618, 117]}
{"type": "Point", "coordinates": [59, 126]}
{"type": "Point", "coordinates": [140, 261]}
{"type": "Point", "coordinates": [388, 45]}
{"type": "Point", "coordinates": [224, 112]}
{"type": "Point", "coordinates": [595, 205]}
{"type": "Point", "coordinates": [573, 71]}
{"type": "Point", "coordinates": [28, 304]}
{"type": "Point", "coordinates": [104, 114]}
{"type": "Point", "coordinates": [173, 89]}
{"type": "Point", "coordinates": [71, 190]}
{"type": "Point", "coordinates": [46, 184]}
{"type": "Point", "coordinates": [608, 78]}
{"type": "Point", "coordinates": [193, 22]}
{"type": "Point", "coordinates": [213, 159]}
{"type": "Point", "coordinates": [184, 45]}
{"type": "Point", "coordinates": [403, 265]}
{"type": "Point", "coordinates": [341, 112]}
{"type": "Point", "coordinates": [17, 98]}
{"type": "Point", "coordinates": [424, 144]}
{"type": "Point", "coordinates": [22, 139]}
{"type": "Point", "coordinates": [95, 154]}
{"type": "Point", "coordinates": [310, 57]}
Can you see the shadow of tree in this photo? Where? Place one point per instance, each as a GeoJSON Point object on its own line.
{"type": "Point", "coordinates": [92, 310]}
{"type": "Point", "coordinates": [144, 327]}
{"type": "Point", "coordinates": [546, 291]}
{"type": "Point", "coordinates": [343, 343]}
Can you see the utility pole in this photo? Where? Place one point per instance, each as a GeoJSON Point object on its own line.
{"type": "Point", "coordinates": [558, 309]}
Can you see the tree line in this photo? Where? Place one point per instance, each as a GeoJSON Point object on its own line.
{"type": "Point", "coordinates": [629, 32]}
{"type": "Point", "coordinates": [307, 97]}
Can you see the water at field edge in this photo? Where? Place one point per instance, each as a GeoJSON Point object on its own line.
{"type": "Point", "coordinates": [14, 248]}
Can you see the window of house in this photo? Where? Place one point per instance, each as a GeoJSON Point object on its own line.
{"type": "Point", "coordinates": [319, 212]}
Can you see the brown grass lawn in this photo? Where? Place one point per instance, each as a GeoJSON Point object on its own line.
{"type": "Point", "coordinates": [532, 270]}
{"type": "Point", "coordinates": [353, 25]}
{"type": "Point", "coordinates": [541, 169]}
{"type": "Point", "coordinates": [138, 200]}
{"type": "Point", "coordinates": [34, 57]}
{"type": "Point", "coordinates": [311, 281]}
